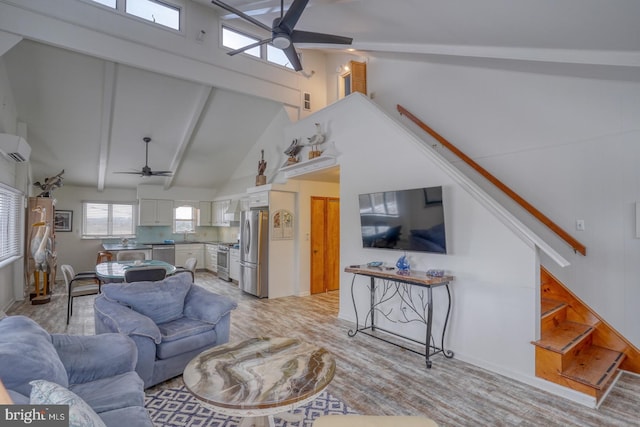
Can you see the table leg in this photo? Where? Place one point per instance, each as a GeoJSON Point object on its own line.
{"type": "Point", "coordinates": [429, 318]}
{"type": "Point", "coordinates": [373, 303]}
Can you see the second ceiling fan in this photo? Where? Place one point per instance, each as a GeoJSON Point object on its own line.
{"type": "Point", "coordinates": [283, 34]}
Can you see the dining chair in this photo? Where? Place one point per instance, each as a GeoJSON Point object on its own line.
{"type": "Point", "coordinates": [130, 256]}
{"type": "Point", "coordinates": [78, 285]}
{"type": "Point", "coordinates": [189, 266]}
{"type": "Point", "coordinates": [104, 256]}
{"type": "Point", "coordinates": [149, 273]}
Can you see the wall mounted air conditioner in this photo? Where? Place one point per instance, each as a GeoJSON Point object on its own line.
{"type": "Point", "coordinates": [14, 147]}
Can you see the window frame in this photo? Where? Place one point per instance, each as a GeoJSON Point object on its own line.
{"type": "Point", "coordinates": [12, 219]}
{"type": "Point", "coordinates": [110, 235]}
{"type": "Point", "coordinates": [263, 48]}
{"type": "Point", "coordinates": [194, 216]}
{"type": "Point", "coordinates": [121, 9]}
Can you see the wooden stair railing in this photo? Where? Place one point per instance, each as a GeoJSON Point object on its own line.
{"type": "Point", "coordinates": [576, 245]}
{"type": "Point", "coordinates": [577, 348]}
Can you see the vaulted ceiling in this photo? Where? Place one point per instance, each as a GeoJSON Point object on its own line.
{"type": "Point", "coordinates": [89, 115]}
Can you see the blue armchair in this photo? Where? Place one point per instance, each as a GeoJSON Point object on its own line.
{"type": "Point", "coordinates": [171, 321]}
{"type": "Point", "coordinates": [99, 370]}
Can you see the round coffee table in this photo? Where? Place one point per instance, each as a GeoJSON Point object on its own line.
{"type": "Point", "coordinates": [259, 377]}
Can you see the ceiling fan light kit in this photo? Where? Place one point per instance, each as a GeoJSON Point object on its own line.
{"type": "Point", "coordinates": [283, 34]}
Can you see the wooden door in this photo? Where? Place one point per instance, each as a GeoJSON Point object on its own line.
{"type": "Point", "coordinates": [325, 244]}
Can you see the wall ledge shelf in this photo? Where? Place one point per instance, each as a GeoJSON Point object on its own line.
{"type": "Point", "coordinates": [308, 166]}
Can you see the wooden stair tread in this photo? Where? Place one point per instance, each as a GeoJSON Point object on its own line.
{"type": "Point", "coordinates": [562, 338]}
{"type": "Point", "coordinates": [594, 366]}
{"type": "Point", "coordinates": [548, 306]}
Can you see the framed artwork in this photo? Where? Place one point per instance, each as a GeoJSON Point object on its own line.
{"type": "Point", "coordinates": [282, 225]}
{"type": "Point", "coordinates": [63, 221]}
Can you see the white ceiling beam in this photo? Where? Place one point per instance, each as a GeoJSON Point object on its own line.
{"type": "Point", "coordinates": [106, 119]}
{"type": "Point", "coordinates": [199, 108]}
{"type": "Point", "coordinates": [7, 41]}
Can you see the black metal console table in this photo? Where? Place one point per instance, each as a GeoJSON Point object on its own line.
{"type": "Point", "coordinates": [396, 283]}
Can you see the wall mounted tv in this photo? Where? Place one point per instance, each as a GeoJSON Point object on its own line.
{"type": "Point", "coordinates": [408, 220]}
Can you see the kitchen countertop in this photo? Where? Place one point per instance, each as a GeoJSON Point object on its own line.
{"type": "Point", "coordinates": [130, 247]}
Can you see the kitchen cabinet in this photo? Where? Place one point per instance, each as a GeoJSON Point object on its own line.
{"type": "Point", "coordinates": [155, 212]}
{"type": "Point", "coordinates": [219, 209]}
{"type": "Point", "coordinates": [205, 214]}
{"type": "Point", "coordinates": [190, 250]}
{"type": "Point", "coordinates": [234, 264]}
{"type": "Point", "coordinates": [211, 257]}
{"type": "Point", "coordinates": [213, 213]}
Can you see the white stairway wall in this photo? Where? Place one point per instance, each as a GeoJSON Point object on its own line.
{"type": "Point", "coordinates": [495, 291]}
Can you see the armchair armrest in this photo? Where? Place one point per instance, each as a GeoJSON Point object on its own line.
{"type": "Point", "coordinates": [91, 357]}
{"type": "Point", "coordinates": [206, 306]}
{"type": "Point", "coordinates": [124, 320]}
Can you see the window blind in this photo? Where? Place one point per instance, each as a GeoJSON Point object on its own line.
{"type": "Point", "coordinates": [11, 225]}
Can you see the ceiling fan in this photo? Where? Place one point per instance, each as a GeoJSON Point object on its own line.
{"type": "Point", "coordinates": [146, 170]}
{"type": "Point", "coordinates": [283, 34]}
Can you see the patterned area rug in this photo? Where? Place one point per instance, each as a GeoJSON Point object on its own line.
{"type": "Point", "coordinates": [178, 407]}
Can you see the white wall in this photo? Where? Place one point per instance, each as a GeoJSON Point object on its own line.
{"type": "Point", "coordinates": [564, 137]}
{"type": "Point", "coordinates": [495, 291]}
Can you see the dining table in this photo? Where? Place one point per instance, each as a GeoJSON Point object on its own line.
{"type": "Point", "coordinates": [113, 271]}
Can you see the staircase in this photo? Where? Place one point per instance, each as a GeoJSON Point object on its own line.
{"type": "Point", "coordinates": [577, 349]}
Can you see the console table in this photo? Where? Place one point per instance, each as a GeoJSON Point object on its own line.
{"type": "Point", "coordinates": [398, 284]}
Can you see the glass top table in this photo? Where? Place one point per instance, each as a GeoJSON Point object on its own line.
{"type": "Point", "coordinates": [114, 271]}
{"type": "Point", "coordinates": [259, 377]}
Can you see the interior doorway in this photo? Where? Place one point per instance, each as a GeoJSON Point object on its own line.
{"type": "Point", "coordinates": [325, 244]}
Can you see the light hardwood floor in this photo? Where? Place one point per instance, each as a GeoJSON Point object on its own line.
{"type": "Point", "coordinates": [376, 378]}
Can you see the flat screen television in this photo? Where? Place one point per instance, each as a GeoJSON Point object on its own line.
{"type": "Point", "coordinates": [408, 220]}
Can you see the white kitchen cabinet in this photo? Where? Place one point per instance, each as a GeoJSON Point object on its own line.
{"type": "Point", "coordinates": [259, 199]}
{"type": "Point", "coordinates": [234, 264]}
{"type": "Point", "coordinates": [190, 250]}
{"type": "Point", "coordinates": [211, 257]}
{"type": "Point", "coordinates": [205, 214]}
{"type": "Point", "coordinates": [155, 212]}
{"type": "Point", "coordinates": [219, 209]}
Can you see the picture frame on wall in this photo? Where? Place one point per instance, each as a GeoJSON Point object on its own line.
{"type": "Point", "coordinates": [63, 221]}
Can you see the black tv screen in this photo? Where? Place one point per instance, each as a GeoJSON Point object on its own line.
{"type": "Point", "coordinates": [408, 220]}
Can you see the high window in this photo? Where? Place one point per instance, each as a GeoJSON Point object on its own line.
{"type": "Point", "coordinates": [102, 220]}
{"type": "Point", "coordinates": [10, 222]}
{"type": "Point", "coordinates": [159, 12]}
{"type": "Point", "coordinates": [234, 39]}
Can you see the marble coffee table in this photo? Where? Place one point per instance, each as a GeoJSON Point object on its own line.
{"type": "Point", "coordinates": [259, 377]}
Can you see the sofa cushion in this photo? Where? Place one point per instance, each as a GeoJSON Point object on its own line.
{"type": "Point", "coordinates": [27, 354]}
{"type": "Point", "coordinates": [80, 413]}
{"type": "Point", "coordinates": [160, 301]}
{"type": "Point", "coordinates": [166, 350]}
{"type": "Point", "coordinates": [182, 328]}
{"type": "Point", "coordinates": [111, 393]}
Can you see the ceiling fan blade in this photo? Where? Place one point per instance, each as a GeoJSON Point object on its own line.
{"type": "Point", "coordinates": [293, 15]}
{"type": "Point", "coordinates": [298, 36]}
{"type": "Point", "coordinates": [161, 173]}
{"type": "Point", "coordinates": [249, 46]}
{"type": "Point", "coordinates": [292, 55]}
{"type": "Point", "coordinates": [241, 14]}
{"type": "Point", "coordinates": [131, 173]}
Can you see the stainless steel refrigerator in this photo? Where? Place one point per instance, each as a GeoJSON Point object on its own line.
{"type": "Point", "coordinates": [254, 252]}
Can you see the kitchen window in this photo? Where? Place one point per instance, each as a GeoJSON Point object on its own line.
{"type": "Point", "coordinates": [184, 219]}
{"type": "Point", "coordinates": [101, 220]}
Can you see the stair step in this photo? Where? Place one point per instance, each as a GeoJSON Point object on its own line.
{"type": "Point", "coordinates": [549, 306]}
{"type": "Point", "coordinates": [564, 337]}
{"type": "Point", "coordinates": [594, 366]}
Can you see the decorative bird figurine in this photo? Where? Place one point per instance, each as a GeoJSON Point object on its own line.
{"type": "Point", "coordinates": [293, 149]}
{"type": "Point", "coordinates": [316, 139]}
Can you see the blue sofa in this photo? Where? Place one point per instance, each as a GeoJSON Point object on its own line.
{"type": "Point", "coordinates": [100, 370]}
{"type": "Point", "coordinates": [171, 321]}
